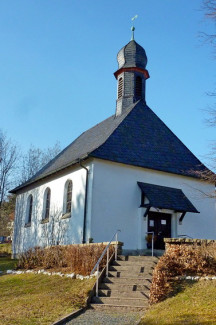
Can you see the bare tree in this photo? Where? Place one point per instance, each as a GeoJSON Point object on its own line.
{"type": "Point", "coordinates": [53, 233]}
{"type": "Point", "coordinates": [35, 159]}
{"type": "Point", "coordinates": [7, 216]}
{"type": "Point", "coordinates": [8, 160]}
{"type": "Point", "coordinates": [1, 145]}
{"type": "Point", "coordinates": [209, 8]}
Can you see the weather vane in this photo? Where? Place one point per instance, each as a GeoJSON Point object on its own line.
{"type": "Point", "coordinates": [133, 28]}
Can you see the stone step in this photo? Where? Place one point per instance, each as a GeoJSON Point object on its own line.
{"type": "Point", "coordinates": [141, 302]}
{"type": "Point", "coordinates": [130, 294]}
{"type": "Point", "coordinates": [134, 264]}
{"type": "Point", "coordinates": [128, 274]}
{"type": "Point", "coordinates": [125, 287]}
{"type": "Point", "coordinates": [117, 308]}
{"type": "Point", "coordinates": [137, 258]}
{"type": "Point", "coordinates": [138, 268]}
{"type": "Point", "coordinates": [127, 280]}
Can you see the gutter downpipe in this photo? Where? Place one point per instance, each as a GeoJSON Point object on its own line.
{"type": "Point", "coordinates": [86, 197]}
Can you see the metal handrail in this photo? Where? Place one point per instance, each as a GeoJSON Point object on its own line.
{"type": "Point", "coordinates": [106, 250]}
{"type": "Point", "coordinates": [152, 232]}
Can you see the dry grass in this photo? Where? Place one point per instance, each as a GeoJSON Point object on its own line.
{"type": "Point", "coordinates": [194, 305]}
{"type": "Point", "coordinates": [30, 299]}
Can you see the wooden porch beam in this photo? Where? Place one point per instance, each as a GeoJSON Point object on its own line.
{"type": "Point", "coordinates": [182, 216]}
{"type": "Point", "coordinates": [146, 212]}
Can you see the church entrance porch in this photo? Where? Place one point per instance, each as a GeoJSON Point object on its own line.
{"type": "Point", "coordinates": [160, 224]}
{"type": "Point", "coordinates": [163, 207]}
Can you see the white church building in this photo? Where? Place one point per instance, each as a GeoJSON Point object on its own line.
{"type": "Point", "coordinates": [129, 172]}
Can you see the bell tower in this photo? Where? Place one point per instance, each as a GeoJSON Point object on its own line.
{"type": "Point", "coordinates": [131, 75]}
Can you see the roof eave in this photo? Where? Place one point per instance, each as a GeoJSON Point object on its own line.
{"type": "Point", "coordinates": [76, 161]}
{"type": "Point", "coordinates": [163, 207]}
{"type": "Point", "coordinates": [180, 173]}
{"type": "Point", "coordinates": [134, 68]}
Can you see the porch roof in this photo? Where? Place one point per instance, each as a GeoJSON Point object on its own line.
{"type": "Point", "coordinates": [163, 197]}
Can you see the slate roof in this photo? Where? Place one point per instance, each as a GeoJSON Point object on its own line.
{"type": "Point", "coordinates": [163, 197]}
{"type": "Point", "coordinates": [132, 55]}
{"type": "Point", "coordinates": [143, 140]}
{"type": "Point", "coordinates": [137, 137]}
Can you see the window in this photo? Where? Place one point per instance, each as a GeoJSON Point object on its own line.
{"type": "Point", "coordinates": [29, 210]}
{"type": "Point", "coordinates": [138, 86]}
{"type": "Point", "coordinates": [67, 207]}
{"type": "Point", "coordinates": [69, 197]}
{"type": "Point", "coordinates": [47, 204]}
{"type": "Point", "coordinates": [120, 88]}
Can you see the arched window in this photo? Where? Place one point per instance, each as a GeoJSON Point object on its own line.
{"type": "Point", "coordinates": [120, 88]}
{"type": "Point", "coordinates": [67, 203]}
{"type": "Point", "coordinates": [47, 204]}
{"type": "Point", "coordinates": [138, 87]}
{"type": "Point", "coordinates": [68, 197]}
{"type": "Point", "coordinates": [29, 209]}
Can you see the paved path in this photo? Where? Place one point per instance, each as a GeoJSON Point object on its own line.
{"type": "Point", "coordinates": [94, 317]}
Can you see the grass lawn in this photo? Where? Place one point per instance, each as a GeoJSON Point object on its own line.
{"type": "Point", "coordinates": [6, 263]}
{"type": "Point", "coordinates": [194, 305]}
{"type": "Point", "coordinates": [5, 248]}
{"type": "Point", "coordinates": [29, 299]}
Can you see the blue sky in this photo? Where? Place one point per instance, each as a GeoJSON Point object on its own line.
{"type": "Point", "coordinates": [58, 59]}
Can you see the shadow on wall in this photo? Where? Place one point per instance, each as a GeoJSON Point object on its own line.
{"type": "Point", "coordinates": [57, 230]}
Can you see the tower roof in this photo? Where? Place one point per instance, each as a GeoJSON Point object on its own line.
{"type": "Point", "coordinates": [132, 55]}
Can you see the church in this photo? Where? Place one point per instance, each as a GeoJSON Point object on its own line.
{"type": "Point", "coordinates": [129, 173]}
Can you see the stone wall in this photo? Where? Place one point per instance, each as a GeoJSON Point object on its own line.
{"type": "Point", "coordinates": [187, 241]}
{"type": "Point", "coordinates": [113, 243]}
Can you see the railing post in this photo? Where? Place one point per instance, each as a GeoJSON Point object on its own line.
{"type": "Point", "coordinates": [106, 250]}
{"type": "Point", "coordinates": [153, 243]}
{"type": "Point", "coordinates": [116, 246]}
{"type": "Point", "coordinates": [97, 281]}
{"type": "Point", "coordinates": [152, 233]}
{"type": "Point", "coordinates": [107, 265]}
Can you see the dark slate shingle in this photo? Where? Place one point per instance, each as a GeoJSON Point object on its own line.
{"type": "Point", "coordinates": [132, 55]}
{"type": "Point", "coordinates": [137, 137]}
{"type": "Point", "coordinates": [143, 140]}
{"type": "Point", "coordinates": [166, 198]}
{"type": "Point", "coordinates": [80, 148]}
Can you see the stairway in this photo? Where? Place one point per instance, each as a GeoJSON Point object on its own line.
{"type": "Point", "coordinates": [127, 287]}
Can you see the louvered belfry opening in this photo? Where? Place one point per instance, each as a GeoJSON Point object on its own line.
{"type": "Point", "coordinates": [131, 76]}
{"type": "Point", "coordinates": [138, 87]}
{"type": "Point", "coordinates": [120, 88]}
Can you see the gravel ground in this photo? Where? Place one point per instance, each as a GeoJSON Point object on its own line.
{"type": "Point", "coordinates": [94, 317]}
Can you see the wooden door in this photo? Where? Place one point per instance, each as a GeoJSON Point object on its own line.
{"type": "Point", "coordinates": [160, 223]}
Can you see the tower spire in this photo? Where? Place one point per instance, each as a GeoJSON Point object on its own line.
{"type": "Point", "coordinates": [133, 28]}
{"type": "Point", "coordinates": [131, 74]}
{"type": "Point", "coordinates": [132, 36]}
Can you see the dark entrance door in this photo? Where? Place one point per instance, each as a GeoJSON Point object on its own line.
{"type": "Point", "coordinates": [160, 223]}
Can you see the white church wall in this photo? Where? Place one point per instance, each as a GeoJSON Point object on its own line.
{"type": "Point", "coordinates": [113, 203]}
{"type": "Point", "coordinates": [116, 201]}
{"type": "Point", "coordinates": [63, 231]}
